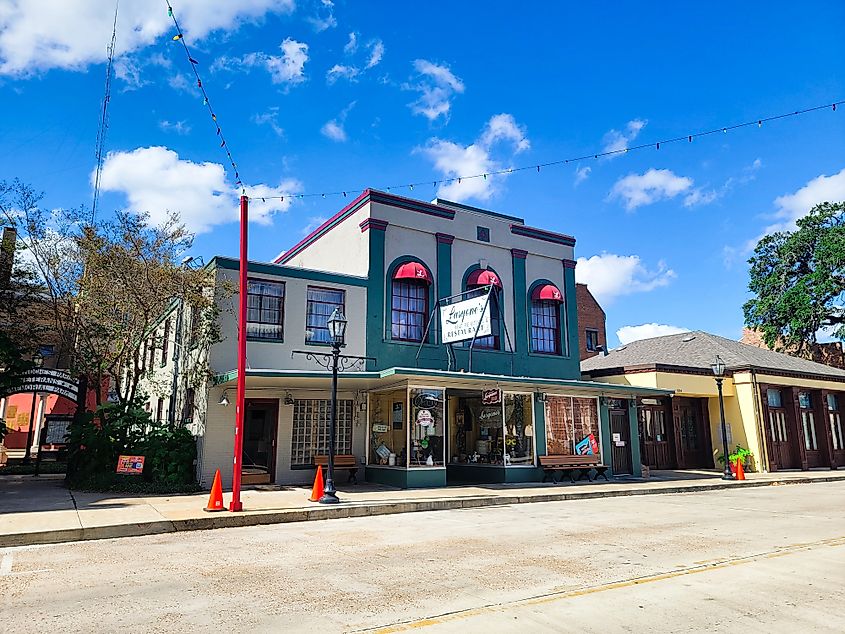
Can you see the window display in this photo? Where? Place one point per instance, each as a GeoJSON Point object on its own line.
{"type": "Point", "coordinates": [570, 421]}
{"type": "Point", "coordinates": [519, 430]}
{"type": "Point", "coordinates": [427, 426]}
{"type": "Point", "coordinates": [388, 434]}
{"type": "Point", "coordinates": [477, 432]}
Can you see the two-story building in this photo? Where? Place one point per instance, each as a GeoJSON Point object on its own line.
{"type": "Point", "coordinates": [423, 412]}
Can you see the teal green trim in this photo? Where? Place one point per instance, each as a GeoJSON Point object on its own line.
{"type": "Point", "coordinates": [633, 420]}
{"type": "Point", "coordinates": [523, 474]}
{"type": "Point", "coordinates": [388, 297]}
{"type": "Point", "coordinates": [469, 473]}
{"type": "Point", "coordinates": [606, 447]}
{"type": "Point", "coordinates": [562, 318]}
{"type": "Point", "coordinates": [540, 427]}
{"type": "Point", "coordinates": [486, 212]}
{"type": "Point", "coordinates": [254, 339]}
{"type": "Point", "coordinates": [406, 478]}
{"type": "Point", "coordinates": [444, 271]}
{"type": "Point", "coordinates": [279, 270]}
{"type": "Point", "coordinates": [521, 342]}
{"type": "Point", "coordinates": [571, 309]}
{"type": "Point", "coordinates": [375, 302]}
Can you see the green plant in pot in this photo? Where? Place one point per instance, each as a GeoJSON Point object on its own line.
{"type": "Point", "coordinates": [739, 454]}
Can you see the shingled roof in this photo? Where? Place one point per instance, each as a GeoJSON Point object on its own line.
{"type": "Point", "coordinates": [697, 350]}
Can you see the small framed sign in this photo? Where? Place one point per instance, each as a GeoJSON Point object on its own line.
{"type": "Point", "coordinates": [130, 465]}
{"type": "Point", "coordinates": [379, 428]}
{"type": "Point", "coordinates": [491, 397]}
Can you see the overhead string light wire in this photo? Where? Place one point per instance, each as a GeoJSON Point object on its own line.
{"type": "Point", "coordinates": [180, 37]}
{"type": "Point", "coordinates": [593, 156]}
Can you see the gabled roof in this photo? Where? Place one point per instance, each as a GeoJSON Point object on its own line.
{"type": "Point", "coordinates": [696, 351]}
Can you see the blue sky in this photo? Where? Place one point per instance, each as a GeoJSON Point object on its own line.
{"type": "Point", "coordinates": [318, 96]}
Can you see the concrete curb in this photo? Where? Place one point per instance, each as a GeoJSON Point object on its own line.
{"type": "Point", "coordinates": [361, 509]}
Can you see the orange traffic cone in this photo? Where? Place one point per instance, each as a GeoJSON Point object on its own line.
{"type": "Point", "coordinates": [215, 500]}
{"type": "Point", "coordinates": [317, 489]}
{"type": "Point", "coordinates": [740, 472]}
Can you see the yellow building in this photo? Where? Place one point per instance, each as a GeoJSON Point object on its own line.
{"type": "Point", "coordinates": [785, 410]}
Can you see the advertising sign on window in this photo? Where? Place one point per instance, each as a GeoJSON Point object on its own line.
{"type": "Point", "coordinates": [464, 320]}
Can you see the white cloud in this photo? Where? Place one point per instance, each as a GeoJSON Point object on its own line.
{"type": "Point", "coordinates": [341, 71]}
{"type": "Point", "coordinates": [791, 207]}
{"type": "Point", "coordinates": [38, 35]}
{"type": "Point", "coordinates": [453, 160]}
{"type": "Point", "coordinates": [327, 21]}
{"type": "Point", "coordinates": [270, 118]}
{"type": "Point", "coordinates": [376, 53]}
{"type": "Point", "coordinates": [627, 334]}
{"type": "Point", "coordinates": [636, 190]}
{"type": "Point", "coordinates": [436, 85]}
{"type": "Point", "coordinates": [616, 141]}
{"type": "Point", "coordinates": [128, 70]}
{"type": "Point", "coordinates": [290, 66]}
{"type": "Point", "coordinates": [155, 180]}
{"type": "Point", "coordinates": [181, 83]}
{"type": "Point", "coordinates": [334, 129]}
{"type": "Point", "coordinates": [177, 127]}
{"type": "Point", "coordinates": [610, 276]}
{"type": "Point", "coordinates": [352, 45]}
{"type": "Point", "coordinates": [313, 223]}
{"type": "Point", "coordinates": [581, 174]}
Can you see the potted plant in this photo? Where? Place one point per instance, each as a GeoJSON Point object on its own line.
{"type": "Point", "coordinates": [740, 453]}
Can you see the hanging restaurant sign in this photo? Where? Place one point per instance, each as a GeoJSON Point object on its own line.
{"type": "Point", "coordinates": [464, 320]}
{"type": "Point", "coordinates": [56, 382]}
{"type": "Point", "coordinates": [491, 397]}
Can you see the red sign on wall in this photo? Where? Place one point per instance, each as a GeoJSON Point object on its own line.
{"type": "Point", "coordinates": [132, 465]}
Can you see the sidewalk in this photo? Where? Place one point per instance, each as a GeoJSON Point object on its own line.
{"type": "Point", "coordinates": [41, 511]}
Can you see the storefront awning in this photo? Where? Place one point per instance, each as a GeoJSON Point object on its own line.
{"type": "Point", "coordinates": [412, 271]}
{"type": "Point", "coordinates": [483, 277]}
{"type": "Point", "coordinates": [547, 292]}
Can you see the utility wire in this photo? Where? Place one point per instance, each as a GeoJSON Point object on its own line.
{"type": "Point", "coordinates": [104, 118]}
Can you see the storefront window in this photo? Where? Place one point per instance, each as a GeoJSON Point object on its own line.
{"type": "Point", "coordinates": [476, 429]}
{"type": "Point", "coordinates": [519, 430]}
{"type": "Point", "coordinates": [428, 427]}
{"type": "Point", "coordinates": [572, 426]}
{"type": "Point", "coordinates": [388, 429]}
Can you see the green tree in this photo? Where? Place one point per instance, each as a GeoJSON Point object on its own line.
{"type": "Point", "coordinates": [798, 281]}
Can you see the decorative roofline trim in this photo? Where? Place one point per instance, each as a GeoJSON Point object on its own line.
{"type": "Point", "coordinates": [679, 369]}
{"type": "Point", "coordinates": [519, 254]}
{"type": "Point", "coordinates": [569, 264]}
{"type": "Point", "coordinates": [542, 234]}
{"type": "Point", "coordinates": [444, 238]}
{"type": "Point", "coordinates": [367, 196]}
{"type": "Point", "coordinates": [373, 223]}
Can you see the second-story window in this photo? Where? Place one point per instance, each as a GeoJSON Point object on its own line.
{"type": "Point", "coordinates": [409, 302]}
{"type": "Point", "coordinates": [321, 304]}
{"type": "Point", "coordinates": [265, 314]}
{"type": "Point", "coordinates": [481, 280]}
{"type": "Point", "coordinates": [546, 300]}
{"type": "Point", "coordinates": [592, 339]}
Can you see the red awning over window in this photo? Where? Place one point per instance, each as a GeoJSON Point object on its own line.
{"type": "Point", "coordinates": [483, 277]}
{"type": "Point", "coordinates": [547, 291]}
{"type": "Point", "coordinates": [412, 271]}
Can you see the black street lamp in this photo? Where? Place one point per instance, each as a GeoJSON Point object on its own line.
{"type": "Point", "coordinates": [337, 331]}
{"type": "Point", "coordinates": [718, 367]}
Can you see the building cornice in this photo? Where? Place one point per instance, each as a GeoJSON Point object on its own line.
{"type": "Point", "coordinates": [542, 234]}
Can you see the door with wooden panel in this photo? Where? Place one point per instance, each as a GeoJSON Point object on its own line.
{"type": "Point", "coordinates": [837, 428]}
{"type": "Point", "coordinates": [782, 449]}
{"type": "Point", "coordinates": [656, 444]}
{"type": "Point", "coordinates": [694, 433]}
{"type": "Point", "coordinates": [812, 436]}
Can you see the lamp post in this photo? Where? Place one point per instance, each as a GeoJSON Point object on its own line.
{"type": "Point", "coordinates": [334, 361]}
{"type": "Point", "coordinates": [337, 330]}
{"type": "Point", "coordinates": [718, 367]}
{"type": "Point", "coordinates": [37, 361]}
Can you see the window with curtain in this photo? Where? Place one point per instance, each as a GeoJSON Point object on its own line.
{"type": "Point", "coordinates": [409, 309]}
{"type": "Point", "coordinates": [492, 342]}
{"type": "Point", "coordinates": [321, 304]}
{"type": "Point", "coordinates": [265, 313]}
{"type": "Point", "coordinates": [545, 326]}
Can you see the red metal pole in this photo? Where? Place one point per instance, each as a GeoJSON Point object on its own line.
{"type": "Point", "coordinates": [236, 504]}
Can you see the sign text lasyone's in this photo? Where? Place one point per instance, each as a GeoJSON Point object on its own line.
{"type": "Point", "coordinates": [464, 320]}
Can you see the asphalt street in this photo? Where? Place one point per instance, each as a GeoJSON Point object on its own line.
{"type": "Point", "coordinates": [768, 559]}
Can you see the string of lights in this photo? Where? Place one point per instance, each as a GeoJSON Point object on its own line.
{"type": "Point", "coordinates": [538, 167]}
{"type": "Point", "coordinates": [180, 37]}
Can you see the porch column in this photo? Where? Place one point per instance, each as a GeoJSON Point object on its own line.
{"type": "Point", "coordinates": [375, 287]}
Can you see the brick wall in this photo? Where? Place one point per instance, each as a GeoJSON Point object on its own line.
{"type": "Point", "coordinates": [828, 353]}
{"type": "Point", "coordinates": [590, 316]}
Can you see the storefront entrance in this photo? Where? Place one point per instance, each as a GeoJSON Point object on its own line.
{"type": "Point", "coordinates": [657, 442]}
{"type": "Point", "coordinates": [693, 444]}
{"type": "Point", "coordinates": [259, 449]}
{"type": "Point", "coordinates": [620, 434]}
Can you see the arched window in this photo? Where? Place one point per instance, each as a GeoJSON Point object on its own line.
{"type": "Point", "coordinates": [546, 300]}
{"type": "Point", "coordinates": [409, 302]}
{"type": "Point", "coordinates": [483, 279]}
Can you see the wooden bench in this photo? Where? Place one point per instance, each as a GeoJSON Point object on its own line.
{"type": "Point", "coordinates": [573, 465]}
{"type": "Point", "coordinates": [342, 462]}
